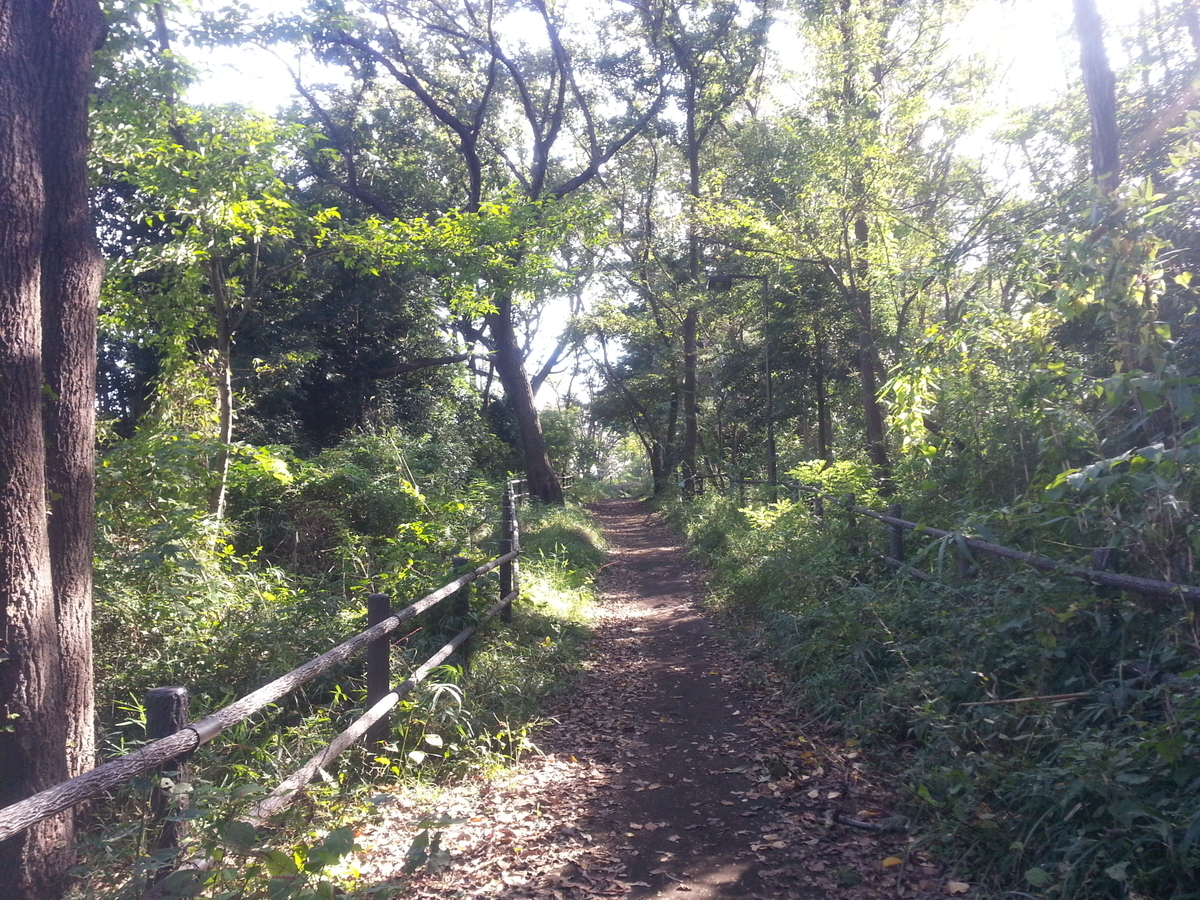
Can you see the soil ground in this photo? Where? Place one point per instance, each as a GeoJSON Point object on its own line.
{"type": "Point", "coordinates": [675, 769]}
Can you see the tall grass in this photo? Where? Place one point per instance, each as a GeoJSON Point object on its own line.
{"type": "Point", "coordinates": [1094, 797]}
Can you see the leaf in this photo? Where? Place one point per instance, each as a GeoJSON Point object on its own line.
{"type": "Point", "coordinates": [242, 835]}
{"type": "Point", "coordinates": [1037, 876]}
{"type": "Point", "coordinates": [957, 887]}
{"type": "Point", "coordinates": [891, 862]}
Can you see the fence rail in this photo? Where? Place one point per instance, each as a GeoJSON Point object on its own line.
{"type": "Point", "coordinates": [375, 640]}
{"type": "Point", "coordinates": [896, 554]}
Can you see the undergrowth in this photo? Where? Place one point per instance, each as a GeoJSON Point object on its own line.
{"type": "Point", "coordinates": [1091, 796]}
{"type": "Point", "coordinates": [223, 609]}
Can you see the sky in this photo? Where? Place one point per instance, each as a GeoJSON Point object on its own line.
{"type": "Point", "coordinates": [1029, 40]}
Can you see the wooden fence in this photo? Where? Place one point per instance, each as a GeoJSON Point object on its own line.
{"type": "Point", "coordinates": [173, 738]}
{"type": "Point", "coordinates": [1105, 561]}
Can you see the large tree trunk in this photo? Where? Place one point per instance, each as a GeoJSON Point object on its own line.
{"type": "Point", "coordinates": [48, 274]}
{"type": "Point", "coordinates": [510, 369]}
{"type": "Point", "coordinates": [1101, 87]}
{"type": "Point", "coordinates": [71, 272]}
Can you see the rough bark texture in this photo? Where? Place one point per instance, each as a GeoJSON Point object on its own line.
{"type": "Point", "coordinates": [1101, 87]}
{"type": "Point", "coordinates": [71, 271]}
{"type": "Point", "coordinates": [48, 280]}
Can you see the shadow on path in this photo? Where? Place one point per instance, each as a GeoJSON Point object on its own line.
{"type": "Point", "coordinates": [675, 770]}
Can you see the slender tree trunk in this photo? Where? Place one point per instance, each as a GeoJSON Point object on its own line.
{"type": "Point", "coordinates": [48, 272]}
{"type": "Point", "coordinates": [868, 360]}
{"type": "Point", "coordinates": [691, 432]}
{"type": "Point", "coordinates": [510, 369]}
{"type": "Point", "coordinates": [824, 439]}
{"type": "Point", "coordinates": [223, 318]}
{"type": "Point", "coordinates": [1101, 87]}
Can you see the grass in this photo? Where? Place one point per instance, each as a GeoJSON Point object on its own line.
{"type": "Point", "coordinates": [465, 721]}
{"type": "Point", "coordinates": [1092, 798]}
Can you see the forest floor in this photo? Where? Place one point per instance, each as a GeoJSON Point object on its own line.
{"type": "Point", "coordinates": [674, 769]}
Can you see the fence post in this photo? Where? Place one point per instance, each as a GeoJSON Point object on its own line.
{"type": "Point", "coordinates": [167, 713]}
{"type": "Point", "coordinates": [379, 666]}
{"type": "Point", "coordinates": [507, 517]}
{"type": "Point", "coordinates": [460, 610]}
{"type": "Point", "coordinates": [819, 506]}
{"type": "Point", "coordinates": [896, 537]}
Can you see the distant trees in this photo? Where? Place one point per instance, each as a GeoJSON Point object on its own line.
{"type": "Point", "coordinates": [533, 118]}
{"type": "Point", "coordinates": [50, 272]}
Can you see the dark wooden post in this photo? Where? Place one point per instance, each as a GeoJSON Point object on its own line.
{"type": "Point", "coordinates": [819, 505]}
{"type": "Point", "coordinates": [379, 666]}
{"type": "Point", "coordinates": [167, 713]}
{"type": "Point", "coordinates": [896, 535]}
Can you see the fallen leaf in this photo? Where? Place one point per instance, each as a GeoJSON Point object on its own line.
{"type": "Point", "coordinates": [957, 887]}
{"type": "Point", "coordinates": [892, 862]}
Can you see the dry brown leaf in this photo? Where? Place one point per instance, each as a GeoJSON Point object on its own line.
{"type": "Point", "coordinates": [957, 887]}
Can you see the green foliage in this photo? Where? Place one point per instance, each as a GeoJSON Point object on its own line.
{"type": "Point", "coordinates": [1092, 796]}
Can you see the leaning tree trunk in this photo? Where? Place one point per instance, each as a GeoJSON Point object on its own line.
{"type": "Point", "coordinates": [510, 369]}
{"type": "Point", "coordinates": [48, 281]}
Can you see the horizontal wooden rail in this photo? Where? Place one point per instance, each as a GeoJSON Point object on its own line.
{"type": "Point", "coordinates": [88, 786]}
{"type": "Point", "coordinates": [282, 795]}
{"type": "Point", "coordinates": [1097, 576]}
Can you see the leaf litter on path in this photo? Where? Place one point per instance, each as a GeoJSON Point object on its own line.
{"type": "Point", "coordinates": [674, 767]}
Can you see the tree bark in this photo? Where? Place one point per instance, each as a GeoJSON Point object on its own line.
{"type": "Point", "coordinates": [691, 433]}
{"type": "Point", "coordinates": [868, 362]}
{"type": "Point", "coordinates": [223, 319]}
{"type": "Point", "coordinates": [71, 272]}
{"type": "Point", "coordinates": [1101, 87]}
{"type": "Point", "coordinates": [510, 369]}
{"type": "Point", "coordinates": [48, 283]}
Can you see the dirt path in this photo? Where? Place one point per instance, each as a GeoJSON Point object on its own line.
{"type": "Point", "coordinates": [675, 770]}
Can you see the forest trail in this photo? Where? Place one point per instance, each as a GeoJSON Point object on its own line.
{"type": "Point", "coordinates": [675, 769]}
